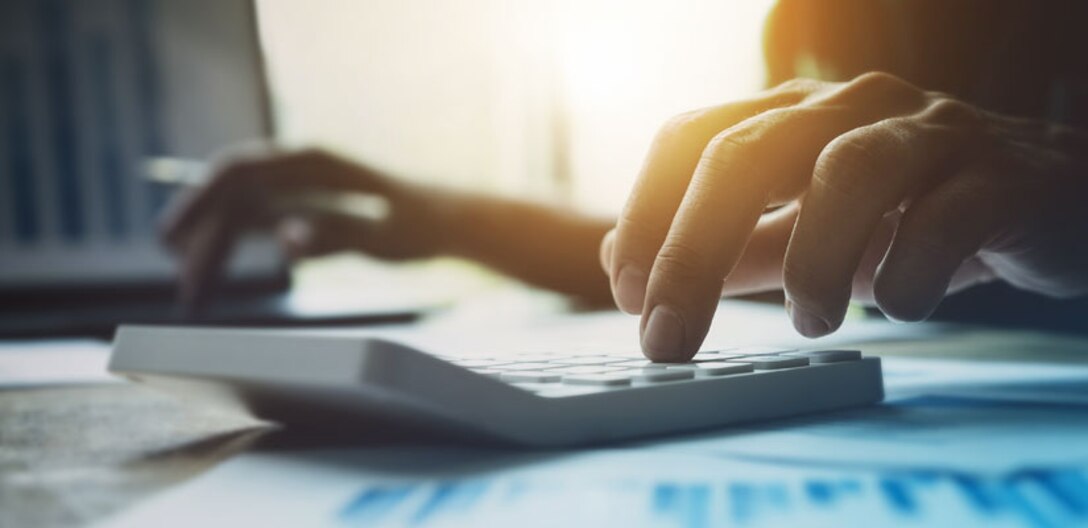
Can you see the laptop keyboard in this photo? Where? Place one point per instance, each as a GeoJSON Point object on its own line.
{"type": "Point", "coordinates": [566, 374]}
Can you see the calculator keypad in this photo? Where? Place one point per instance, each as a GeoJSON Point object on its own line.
{"type": "Point", "coordinates": [564, 374]}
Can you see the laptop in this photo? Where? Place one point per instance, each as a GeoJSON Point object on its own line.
{"type": "Point", "coordinates": [90, 91]}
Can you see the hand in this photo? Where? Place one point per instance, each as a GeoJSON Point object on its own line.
{"type": "Point", "coordinates": [884, 192]}
{"type": "Point", "coordinates": [291, 192]}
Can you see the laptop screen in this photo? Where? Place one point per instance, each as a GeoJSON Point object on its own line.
{"type": "Point", "coordinates": [89, 91]}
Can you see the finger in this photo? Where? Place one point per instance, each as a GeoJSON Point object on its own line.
{"type": "Point", "coordinates": [862, 289]}
{"type": "Point", "coordinates": [972, 272]}
{"type": "Point", "coordinates": [661, 186]}
{"type": "Point", "coordinates": [857, 179]}
{"type": "Point", "coordinates": [242, 179]}
{"type": "Point", "coordinates": [606, 250]}
{"type": "Point", "coordinates": [938, 233]}
{"type": "Point", "coordinates": [760, 267]}
{"type": "Point", "coordinates": [741, 171]}
{"type": "Point", "coordinates": [202, 261]}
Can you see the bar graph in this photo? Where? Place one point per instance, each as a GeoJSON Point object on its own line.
{"type": "Point", "coordinates": [140, 20]}
{"type": "Point", "coordinates": [89, 90]}
{"type": "Point", "coordinates": [55, 34]}
{"type": "Point", "coordinates": [112, 169]}
{"type": "Point", "coordinates": [21, 169]}
{"type": "Point", "coordinates": [60, 59]}
{"type": "Point", "coordinates": [1037, 498]}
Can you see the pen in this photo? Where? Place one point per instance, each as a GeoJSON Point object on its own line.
{"type": "Point", "coordinates": [185, 172]}
{"type": "Point", "coordinates": [181, 172]}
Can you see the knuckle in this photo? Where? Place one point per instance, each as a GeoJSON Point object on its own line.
{"type": "Point", "coordinates": [945, 110]}
{"type": "Point", "coordinates": [683, 263]}
{"type": "Point", "coordinates": [640, 227]}
{"type": "Point", "coordinates": [749, 134]}
{"type": "Point", "coordinates": [722, 155]}
{"type": "Point", "coordinates": [799, 86]}
{"type": "Point", "coordinates": [878, 81]}
{"type": "Point", "coordinates": [636, 241]}
{"type": "Point", "coordinates": [847, 163]}
{"type": "Point", "coordinates": [678, 127]}
{"type": "Point", "coordinates": [875, 86]}
{"type": "Point", "coordinates": [728, 142]}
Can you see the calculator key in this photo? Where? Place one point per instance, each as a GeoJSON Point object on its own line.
{"type": "Point", "coordinates": [528, 357]}
{"type": "Point", "coordinates": [716, 368]}
{"type": "Point", "coordinates": [687, 364]}
{"type": "Point", "coordinates": [773, 362]}
{"type": "Point", "coordinates": [559, 390]}
{"type": "Point", "coordinates": [639, 364]}
{"type": "Point", "coordinates": [531, 376]}
{"type": "Point", "coordinates": [589, 360]}
{"type": "Point", "coordinates": [608, 380]}
{"type": "Point", "coordinates": [489, 372]}
{"type": "Point", "coordinates": [513, 367]}
{"type": "Point", "coordinates": [829, 356]}
{"type": "Point", "coordinates": [716, 351]}
{"type": "Point", "coordinates": [762, 351]}
{"type": "Point", "coordinates": [479, 363]}
{"type": "Point", "coordinates": [536, 387]}
{"type": "Point", "coordinates": [656, 375]}
{"type": "Point", "coordinates": [585, 369]}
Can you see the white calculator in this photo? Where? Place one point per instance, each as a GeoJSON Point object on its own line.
{"type": "Point", "coordinates": [553, 399]}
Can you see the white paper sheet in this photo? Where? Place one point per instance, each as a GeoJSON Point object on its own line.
{"type": "Point", "coordinates": [601, 488]}
{"type": "Point", "coordinates": [988, 418]}
{"type": "Point", "coordinates": [959, 444]}
{"type": "Point", "coordinates": [54, 362]}
{"type": "Point", "coordinates": [942, 453]}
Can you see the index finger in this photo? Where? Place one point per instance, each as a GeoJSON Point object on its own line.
{"type": "Point", "coordinates": [661, 185]}
{"type": "Point", "coordinates": [766, 159]}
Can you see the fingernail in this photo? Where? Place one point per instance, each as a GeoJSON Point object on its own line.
{"type": "Point", "coordinates": [630, 290]}
{"type": "Point", "coordinates": [805, 322]}
{"type": "Point", "coordinates": [663, 337]}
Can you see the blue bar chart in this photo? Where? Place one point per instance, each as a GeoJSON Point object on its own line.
{"type": "Point", "coordinates": [90, 91]}
{"type": "Point", "coordinates": [1038, 498]}
{"type": "Point", "coordinates": [76, 76]}
{"type": "Point", "coordinates": [20, 166]}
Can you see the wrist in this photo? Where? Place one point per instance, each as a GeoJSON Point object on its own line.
{"type": "Point", "coordinates": [457, 220]}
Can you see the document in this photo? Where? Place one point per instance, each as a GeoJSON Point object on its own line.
{"type": "Point", "coordinates": [944, 451]}
{"type": "Point", "coordinates": [600, 488]}
{"type": "Point", "coordinates": [54, 362]}
{"type": "Point", "coordinates": [983, 418]}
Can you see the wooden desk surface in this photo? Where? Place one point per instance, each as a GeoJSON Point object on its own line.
{"type": "Point", "coordinates": [71, 456]}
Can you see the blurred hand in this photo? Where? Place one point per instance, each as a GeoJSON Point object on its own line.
{"type": "Point", "coordinates": [292, 193]}
{"type": "Point", "coordinates": [884, 193]}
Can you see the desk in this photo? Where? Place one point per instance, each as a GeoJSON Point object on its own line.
{"type": "Point", "coordinates": [72, 455]}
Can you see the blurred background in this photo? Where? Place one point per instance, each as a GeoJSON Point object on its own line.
{"type": "Point", "coordinates": [555, 98]}
{"type": "Point", "coordinates": [551, 100]}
